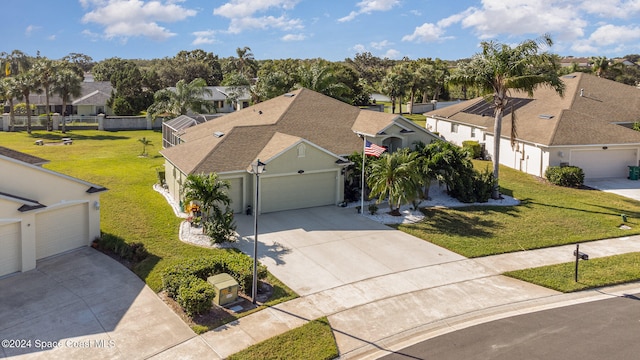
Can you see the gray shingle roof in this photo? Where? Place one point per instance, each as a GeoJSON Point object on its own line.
{"type": "Point", "coordinates": [17, 155]}
{"type": "Point", "coordinates": [324, 121]}
{"type": "Point", "coordinates": [589, 119]}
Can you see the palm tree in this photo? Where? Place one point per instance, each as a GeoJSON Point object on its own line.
{"type": "Point", "coordinates": [600, 65]}
{"type": "Point", "coordinates": [395, 176]}
{"type": "Point", "coordinates": [498, 69]}
{"type": "Point", "coordinates": [246, 63]}
{"type": "Point", "coordinates": [8, 92]}
{"type": "Point", "coordinates": [209, 191]}
{"type": "Point", "coordinates": [391, 87]}
{"type": "Point", "coordinates": [320, 77]}
{"type": "Point", "coordinates": [67, 84]}
{"type": "Point", "coordinates": [145, 142]}
{"type": "Point", "coordinates": [26, 83]}
{"type": "Point", "coordinates": [45, 70]}
{"type": "Point", "coordinates": [185, 97]}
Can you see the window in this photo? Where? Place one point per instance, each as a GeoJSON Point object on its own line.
{"type": "Point", "coordinates": [454, 128]}
{"type": "Point", "coordinates": [301, 150]}
{"type": "Point", "coordinates": [473, 132]}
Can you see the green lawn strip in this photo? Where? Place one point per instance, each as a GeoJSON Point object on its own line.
{"type": "Point", "coordinates": [548, 216]}
{"type": "Point", "coordinates": [131, 210]}
{"type": "Point", "coordinates": [594, 273]}
{"type": "Point", "coordinates": [313, 340]}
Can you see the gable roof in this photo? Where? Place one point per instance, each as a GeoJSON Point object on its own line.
{"type": "Point", "coordinates": [17, 155]}
{"type": "Point", "coordinates": [302, 114]}
{"type": "Point", "coordinates": [589, 113]}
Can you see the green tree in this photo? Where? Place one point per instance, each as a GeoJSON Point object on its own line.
{"type": "Point", "coordinates": [27, 83]}
{"type": "Point", "coordinates": [210, 192]}
{"type": "Point", "coordinates": [145, 142]}
{"type": "Point", "coordinates": [245, 63]}
{"type": "Point", "coordinates": [45, 70]}
{"type": "Point", "coordinates": [184, 97]}
{"type": "Point", "coordinates": [500, 68]}
{"type": "Point", "coordinates": [395, 176]}
{"type": "Point", "coordinates": [320, 76]}
{"type": "Point", "coordinates": [600, 64]}
{"type": "Point", "coordinates": [68, 85]}
{"type": "Point", "coordinates": [8, 92]}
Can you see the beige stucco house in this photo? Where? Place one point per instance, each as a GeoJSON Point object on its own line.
{"type": "Point", "coordinates": [302, 137]}
{"type": "Point", "coordinates": [589, 127]}
{"type": "Point", "coordinates": [42, 212]}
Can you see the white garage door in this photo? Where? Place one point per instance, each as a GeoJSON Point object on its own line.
{"type": "Point", "coordinates": [297, 191]}
{"type": "Point", "coordinates": [10, 249]}
{"type": "Point", "coordinates": [610, 163]}
{"type": "Point", "coordinates": [61, 229]}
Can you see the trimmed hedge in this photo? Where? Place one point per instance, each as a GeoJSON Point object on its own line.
{"type": "Point", "coordinates": [195, 295]}
{"type": "Point", "coordinates": [473, 147]}
{"type": "Point", "coordinates": [178, 281]}
{"type": "Point", "coordinates": [567, 176]}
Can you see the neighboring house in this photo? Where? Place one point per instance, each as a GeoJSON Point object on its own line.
{"type": "Point", "coordinates": [42, 212]}
{"type": "Point", "coordinates": [172, 129]}
{"type": "Point", "coordinates": [302, 137]}
{"type": "Point", "coordinates": [92, 100]}
{"type": "Point", "coordinates": [590, 127]}
{"type": "Point", "coordinates": [227, 99]}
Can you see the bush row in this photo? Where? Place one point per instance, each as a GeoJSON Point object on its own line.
{"type": "Point", "coordinates": [179, 281]}
{"type": "Point", "coordinates": [568, 176]}
{"type": "Point", "coordinates": [134, 252]}
{"type": "Point", "coordinates": [471, 185]}
{"type": "Point", "coordinates": [473, 147]}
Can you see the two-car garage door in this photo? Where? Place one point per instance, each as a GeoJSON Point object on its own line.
{"type": "Point", "coordinates": [610, 163]}
{"type": "Point", "coordinates": [297, 191]}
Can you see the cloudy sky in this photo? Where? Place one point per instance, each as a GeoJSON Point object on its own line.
{"type": "Point", "coordinates": [329, 29]}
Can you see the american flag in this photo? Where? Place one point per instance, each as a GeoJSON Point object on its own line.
{"type": "Point", "coordinates": [373, 149]}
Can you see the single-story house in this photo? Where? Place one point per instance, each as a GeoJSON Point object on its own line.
{"type": "Point", "coordinates": [589, 127]}
{"type": "Point", "coordinates": [42, 212]}
{"type": "Point", "coordinates": [91, 102]}
{"type": "Point", "coordinates": [302, 137]}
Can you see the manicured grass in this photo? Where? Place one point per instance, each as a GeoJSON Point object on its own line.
{"type": "Point", "coordinates": [131, 210]}
{"type": "Point", "coordinates": [313, 340]}
{"type": "Point", "coordinates": [610, 270]}
{"type": "Point", "coordinates": [549, 215]}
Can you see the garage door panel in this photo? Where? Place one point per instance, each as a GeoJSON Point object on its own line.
{"type": "Point", "coordinates": [297, 191]}
{"type": "Point", "coordinates": [60, 230]}
{"type": "Point", "coordinates": [235, 193]}
{"type": "Point", "coordinates": [10, 249]}
{"type": "Point", "coordinates": [611, 163]}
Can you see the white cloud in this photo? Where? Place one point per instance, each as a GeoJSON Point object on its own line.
{"type": "Point", "coordinates": [127, 18]}
{"type": "Point", "coordinates": [241, 14]}
{"type": "Point", "coordinates": [359, 48]}
{"type": "Point", "coordinates": [51, 37]}
{"type": "Point", "coordinates": [426, 32]}
{"type": "Point", "coordinates": [391, 54]}
{"type": "Point", "coordinates": [613, 35]}
{"type": "Point", "coordinates": [381, 44]}
{"type": "Point", "coordinates": [293, 37]}
{"type": "Point", "coordinates": [30, 29]}
{"type": "Point", "coordinates": [369, 6]}
{"type": "Point", "coordinates": [611, 8]}
{"type": "Point", "coordinates": [203, 37]}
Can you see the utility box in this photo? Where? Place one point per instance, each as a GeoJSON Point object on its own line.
{"type": "Point", "coordinates": [226, 288]}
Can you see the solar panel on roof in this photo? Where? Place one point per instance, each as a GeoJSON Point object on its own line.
{"type": "Point", "coordinates": [484, 108]}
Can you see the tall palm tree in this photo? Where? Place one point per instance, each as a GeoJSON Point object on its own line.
{"type": "Point", "coordinates": [15, 62]}
{"type": "Point", "coordinates": [321, 77]}
{"type": "Point", "coordinates": [395, 176]}
{"type": "Point", "coordinates": [27, 83]}
{"type": "Point", "coordinates": [600, 65]}
{"type": "Point", "coordinates": [67, 84]}
{"type": "Point", "coordinates": [245, 63]}
{"type": "Point", "coordinates": [391, 87]}
{"type": "Point", "coordinates": [45, 71]}
{"type": "Point", "coordinates": [498, 69]}
{"type": "Point", "coordinates": [8, 92]}
{"type": "Point", "coordinates": [209, 191]}
{"type": "Point", "coordinates": [185, 97]}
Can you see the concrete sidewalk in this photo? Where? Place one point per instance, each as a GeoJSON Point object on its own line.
{"type": "Point", "coordinates": [376, 314]}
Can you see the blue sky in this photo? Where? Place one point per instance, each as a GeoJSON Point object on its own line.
{"type": "Point", "coordinates": [329, 29]}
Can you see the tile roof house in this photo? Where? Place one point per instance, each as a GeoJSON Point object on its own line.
{"type": "Point", "coordinates": [39, 221]}
{"type": "Point", "coordinates": [302, 137]}
{"type": "Point", "coordinates": [589, 127]}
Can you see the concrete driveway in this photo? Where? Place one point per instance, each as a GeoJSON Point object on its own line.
{"type": "Point", "coordinates": [84, 305]}
{"type": "Point", "coordinates": [316, 249]}
{"type": "Point", "coordinates": [621, 186]}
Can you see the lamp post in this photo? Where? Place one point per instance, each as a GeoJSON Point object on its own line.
{"type": "Point", "coordinates": [257, 168]}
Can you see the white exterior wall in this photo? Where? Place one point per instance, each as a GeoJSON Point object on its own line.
{"type": "Point", "coordinates": [464, 132]}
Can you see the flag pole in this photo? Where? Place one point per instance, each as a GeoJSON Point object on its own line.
{"type": "Point", "coordinates": [364, 145]}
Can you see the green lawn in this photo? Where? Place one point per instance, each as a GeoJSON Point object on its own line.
{"type": "Point", "coordinates": [548, 216]}
{"type": "Point", "coordinates": [131, 210]}
{"type": "Point", "coordinates": [610, 270]}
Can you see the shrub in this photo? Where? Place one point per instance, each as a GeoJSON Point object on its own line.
{"type": "Point", "coordinates": [373, 209]}
{"type": "Point", "coordinates": [221, 228]}
{"type": "Point", "coordinates": [135, 252]}
{"type": "Point", "coordinates": [195, 295]}
{"type": "Point", "coordinates": [568, 176]}
{"type": "Point", "coordinates": [473, 147]}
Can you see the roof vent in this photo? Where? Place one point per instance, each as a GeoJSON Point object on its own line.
{"type": "Point", "coordinates": [545, 116]}
{"type": "Point", "coordinates": [218, 134]}
{"type": "Point", "coordinates": [289, 95]}
{"type": "Point", "coordinates": [260, 112]}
